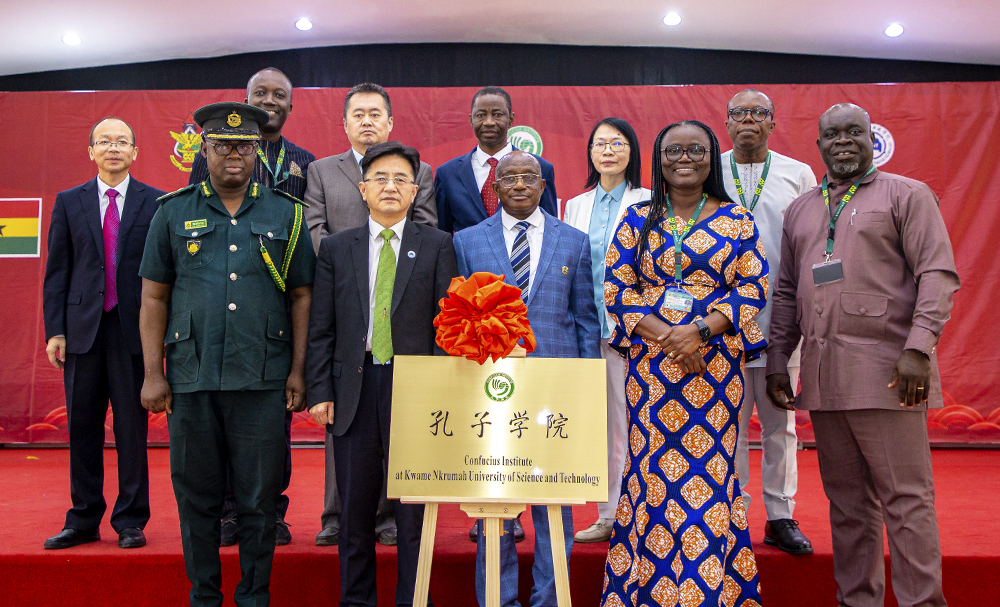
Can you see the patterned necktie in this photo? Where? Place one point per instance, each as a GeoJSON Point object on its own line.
{"type": "Point", "coordinates": [520, 257]}
{"type": "Point", "coordinates": [384, 279]}
{"type": "Point", "coordinates": [490, 200]}
{"type": "Point", "coordinates": [111, 223]}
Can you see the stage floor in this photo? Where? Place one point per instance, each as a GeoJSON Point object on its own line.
{"type": "Point", "coordinates": [34, 495]}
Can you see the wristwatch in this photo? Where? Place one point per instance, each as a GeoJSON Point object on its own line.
{"type": "Point", "coordinates": [703, 330]}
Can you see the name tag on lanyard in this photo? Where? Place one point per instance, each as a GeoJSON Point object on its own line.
{"type": "Point", "coordinates": [827, 272]}
{"type": "Point", "coordinates": [676, 298]}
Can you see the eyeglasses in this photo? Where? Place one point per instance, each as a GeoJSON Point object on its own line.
{"type": "Point", "coordinates": [616, 146]}
{"type": "Point", "coordinates": [103, 145]}
{"type": "Point", "coordinates": [675, 152]}
{"type": "Point", "coordinates": [383, 181]}
{"type": "Point", "coordinates": [225, 149]}
{"type": "Point", "coordinates": [528, 179]}
{"type": "Point", "coordinates": [759, 114]}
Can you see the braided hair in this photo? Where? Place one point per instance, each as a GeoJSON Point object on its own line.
{"type": "Point", "coordinates": [713, 185]}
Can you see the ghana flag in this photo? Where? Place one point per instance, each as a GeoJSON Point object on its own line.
{"type": "Point", "coordinates": [20, 223]}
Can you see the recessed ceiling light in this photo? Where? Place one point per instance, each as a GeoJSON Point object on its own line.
{"type": "Point", "coordinates": [304, 24]}
{"type": "Point", "coordinates": [894, 30]}
{"type": "Point", "coordinates": [672, 18]}
{"type": "Point", "coordinates": [71, 39]}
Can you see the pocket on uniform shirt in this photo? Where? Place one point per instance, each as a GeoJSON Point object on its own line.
{"type": "Point", "coordinates": [278, 354]}
{"type": "Point", "coordinates": [196, 248]}
{"type": "Point", "coordinates": [862, 318]}
{"type": "Point", "coordinates": [275, 240]}
{"type": "Point", "coordinates": [182, 352]}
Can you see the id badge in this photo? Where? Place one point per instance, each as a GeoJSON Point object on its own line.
{"type": "Point", "coordinates": [676, 298]}
{"type": "Point", "coordinates": [827, 272]}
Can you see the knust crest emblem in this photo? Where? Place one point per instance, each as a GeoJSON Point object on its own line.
{"type": "Point", "coordinates": [526, 139]}
{"type": "Point", "coordinates": [188, 143]}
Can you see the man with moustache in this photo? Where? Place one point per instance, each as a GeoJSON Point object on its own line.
{"type": "Point", "coordinates": [227, 282]}
{"type": "Point", "coordinates": [90, 300]}
{"type": "Point", "coordinates": [464, 185]}
{"type": "Point", "coordinates": [336, 204]}
{"type": "Point", "coordinates": [380, 285]}
{"type": "Point", "coordinates": [550, 262]}
{"type": "Point", "coordinates": [766, 182]}
{"type": "Point", "coordinates": [866, 280]}
{"type": "Point", "coordinates": [280, 165]}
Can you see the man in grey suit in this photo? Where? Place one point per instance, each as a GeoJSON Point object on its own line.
{"type": "Point", "coordinates": [335, 205]}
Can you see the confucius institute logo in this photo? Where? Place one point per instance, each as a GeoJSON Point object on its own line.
{"type": "Point", "coordinates": [187, 144]}
{"type": "Point", "coordinates": [884, 145]}
{"type": "Point", "coordinates": [525, 139]}
{"type": "Point", "coordinates": [499, 387]}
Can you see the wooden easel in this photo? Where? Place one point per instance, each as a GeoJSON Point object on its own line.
{"type": "Point", "coordinates": [493, 515]}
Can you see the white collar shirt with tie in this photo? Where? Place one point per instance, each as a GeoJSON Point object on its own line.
{"type": "Point", "coordinates": [374, 250]}
{"type": "Point", "coordinates": [535, 232]}
{"type": "Point", "coordinates": [481, 164]}
{"type": "Point", "coordinates": [105, 200]}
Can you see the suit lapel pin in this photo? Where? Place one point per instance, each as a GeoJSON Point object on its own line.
{"type": "Point", "coordinates": [411, 254]}
{"type": "Point", "coordinates": [565, 270]}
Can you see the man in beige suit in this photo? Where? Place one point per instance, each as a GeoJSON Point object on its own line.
{"type": "Point", "coordinates": [335, 204]}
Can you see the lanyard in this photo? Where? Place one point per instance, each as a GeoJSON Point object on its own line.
{"type": "Point", "coordinates": [679, 234]}
{"type": "Point", "coordinates": [275, 174]}
{"type": "Point", "coordinates": [843, 203]}
{"type": "Point", "coordinates": [760, 184]}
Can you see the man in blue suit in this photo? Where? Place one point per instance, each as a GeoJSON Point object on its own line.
{"type": "Point", "coordinates": [550, 262]}
{"type": "Point", "coordinates": [90, 300]}
{"type": "Point", "coordinates": [464, 185]}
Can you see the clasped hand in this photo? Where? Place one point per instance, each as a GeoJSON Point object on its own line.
{"type": "Point", "coordinates": [680, 344]}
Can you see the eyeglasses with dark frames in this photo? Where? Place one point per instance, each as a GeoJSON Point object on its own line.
{"type": "Point", "coordinates": [674, 153]}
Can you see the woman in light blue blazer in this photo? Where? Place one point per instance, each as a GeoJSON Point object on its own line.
{"type": "Point", "coordinates": [613, 185]}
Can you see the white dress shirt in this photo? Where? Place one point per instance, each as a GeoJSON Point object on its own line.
{"type": "Point", "coordinates": [105, 200]}
{"type": "Point", "coordinates": [375, 243]}
{"type": "Point", "coordinates": [358, 156]}
{"type": "Point", "coordinates": [787, 179]}
{"type": "Point", "coordinates": [481, 165]}
{"type": "Point", "coordinates": [535, 232]}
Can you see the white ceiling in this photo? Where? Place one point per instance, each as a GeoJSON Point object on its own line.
{"type": "Point", "coordinates": [963, 31]}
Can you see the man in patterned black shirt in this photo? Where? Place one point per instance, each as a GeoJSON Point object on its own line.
{"type": "Point", "coordinates": [285, 170]}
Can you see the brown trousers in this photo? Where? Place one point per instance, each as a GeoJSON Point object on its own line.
{"type": "Point", "coordinates": [876, 467]}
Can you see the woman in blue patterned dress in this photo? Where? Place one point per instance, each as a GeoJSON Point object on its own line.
{"type": "Point", "coordinates": [685, 278]}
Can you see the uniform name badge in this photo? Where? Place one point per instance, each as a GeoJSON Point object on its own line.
{"type": "Point", "coordinates": [827, 272]}
{"type": "Point", "coordinates": [676, 298]}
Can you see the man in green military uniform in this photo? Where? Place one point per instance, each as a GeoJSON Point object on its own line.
{"type": "Point", "coordinates": [226, 284]}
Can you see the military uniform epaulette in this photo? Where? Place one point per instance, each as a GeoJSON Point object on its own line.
{"type": "Point", "coordinates": [167, 197]}
{"type": "Point", "coordinates": [290, 197]}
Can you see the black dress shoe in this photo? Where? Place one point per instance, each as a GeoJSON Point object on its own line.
{"type": "Point", "coordinates": [518, 530]}
{"type": "Point", "coordinates": [329, 536]}
{"type": "Point", "coordinates": [282, 536]}
{"type": "Point", "coordinates": [227, 532]}
{"type": "Point", "coordinates": [67, 538]}
{"type": "Point", "coordinates": [131, 537]}
{"type": "Point", "coordinates": [784, 534]}
{"type": "Point", "coordinates": [387, 537]}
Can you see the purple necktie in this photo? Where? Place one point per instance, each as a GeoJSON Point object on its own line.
{"type": "Point", "coordinates": [111, 223]}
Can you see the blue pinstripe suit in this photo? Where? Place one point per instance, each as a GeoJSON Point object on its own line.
{"type": "Point", "coordinates": [563, 317]}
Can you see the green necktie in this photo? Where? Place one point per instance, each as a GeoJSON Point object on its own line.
{"type": "Point", "coordinates": [381, 325]}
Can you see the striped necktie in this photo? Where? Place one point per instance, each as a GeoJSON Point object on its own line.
{"type": "Point", "coordinates": [520, 257]}
{"type": "Point", "coordinates": [384, 279]}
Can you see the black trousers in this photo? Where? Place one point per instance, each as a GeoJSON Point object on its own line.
{"type": "Point", "coordinates": [360, 470]}
{"type": "Point", "coordinates": [229, 505]}
{"type": "Point", "coordinates": [208, 430]}
{"type": "Point", "coordinates": [107, 372]}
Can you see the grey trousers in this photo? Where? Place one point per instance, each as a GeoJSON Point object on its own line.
{"type": "Point", "coordinates": [779, 465]}
{"type": "Point", "coordinates": [876, 467]}
{"type": "Point", "coordinates": [617, 370]}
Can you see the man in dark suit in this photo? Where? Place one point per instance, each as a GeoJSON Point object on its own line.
{"type": "Point", "coordinates": [464, 185]}
{"type": "Point", "coordinates": [91, 302]}
{"type": "Point", "coordinates": [335, 204]}
{"type": "Point", "coordinates": [550, 262]}
{"type": "Point", "coordinates": [373, 308]}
